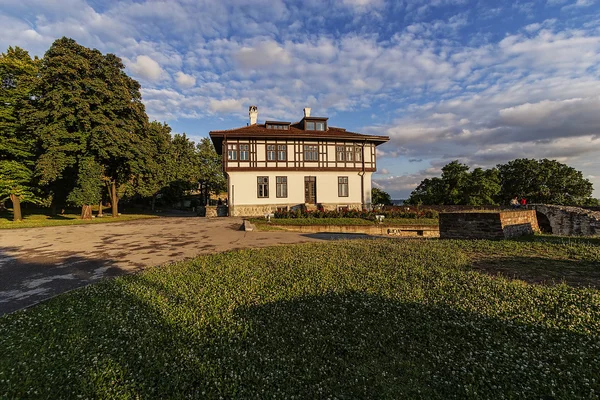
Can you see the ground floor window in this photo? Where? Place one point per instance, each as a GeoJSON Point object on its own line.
{"type": "Point", "coordinates": [263, 186]}
{"type": "Point", "coordinates": [281, 186]}
{"type": "Point", "coordinates": [342, 186]}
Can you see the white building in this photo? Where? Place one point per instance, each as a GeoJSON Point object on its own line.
{"type": "Point", "coordinates": [283, 165]}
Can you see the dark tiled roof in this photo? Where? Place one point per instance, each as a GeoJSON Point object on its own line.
{"type": "Point", "coordinates": [261, 131]}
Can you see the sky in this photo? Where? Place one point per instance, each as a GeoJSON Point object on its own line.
{"type": "Point", "coordinates": [482, 82]}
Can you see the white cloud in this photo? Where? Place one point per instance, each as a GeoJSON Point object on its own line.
{"type": "Point", "coordinates": [146, 68]}
{"type": "Point", "coordinates": [185, 81]}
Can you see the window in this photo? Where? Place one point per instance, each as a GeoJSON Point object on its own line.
{"type": "Point", "coordinates": [244, 152]}
{"type": "Point", "coordinates": [278, 126]}
{"type": "Point", "coordinates": [342, 186]}
{"type": "Point", "coordinates": [339, 151]}
{"type": "Point", "coordinates": [358, 153]}
{"type": "Point", "coordinates": [281, 152]}
{"type": "Point", "coordinates": [232, 152]}
{"type": "Point", "coordinates": [281, 186]}
{"type": "Point", "coordinates": [311, 153]}
{"type": "Point", "coordinates": [349, 153]}
{"type": "Point", "coordinates": [271, 152]}
{"type": "Point", "coordinates": [314, 125]}
{"type": "Point", "coordinates": [263, 186]}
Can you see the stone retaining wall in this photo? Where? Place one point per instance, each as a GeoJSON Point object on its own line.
{"type": "Point", "coordinates": [570, 221]}
{"type": "Point", "coordinates": [488, 225]}
{"type": "Point", "coordinates": [378, 230]}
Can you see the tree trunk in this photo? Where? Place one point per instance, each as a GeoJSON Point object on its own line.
{"type": "Point", "coordinates": [86, 212]}
{"type": "Point", "coordinates": [100, 210]}
{"type": "Point", "coordinates": [114, 199]}
{"type": "Point", "coordinates": [153, 202]}
{"type": "Point", "coordinates": [16, 200]}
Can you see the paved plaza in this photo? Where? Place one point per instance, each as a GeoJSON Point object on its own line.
{"type": "Point", "coordinates": [38, 263]}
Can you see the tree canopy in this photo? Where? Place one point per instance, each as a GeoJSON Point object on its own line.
{"type": "Point", "coordinates": [18, 141]}
{"type": "Point", "coordinates": [379, 196]}
{"type": "Point", "coordinates": [73, 126]}
{"type": "Point", "coordinates": [539, 181]}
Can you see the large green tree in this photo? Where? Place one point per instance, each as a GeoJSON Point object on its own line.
{"type": "Point", "coordinates": [18, 141]}
{"type": "Point", "coordinates": [544, 181]}
{"type": "Point", "coordinates": [379, 196]}
{"type": "Point", "coordinates": [211, 167]}
{"type": "Point", "coordinates": [88, 108]}
{"type": "Point", "coordinates": [159, 164]}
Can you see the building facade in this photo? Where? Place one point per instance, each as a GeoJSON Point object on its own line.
{"type": "Point", "coordinates": [308, 164]}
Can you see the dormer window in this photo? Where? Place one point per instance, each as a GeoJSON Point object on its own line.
{"type": "Point", "coordinates": [314, 125]}
{"type": "Point", "coordinates": [278, 125]}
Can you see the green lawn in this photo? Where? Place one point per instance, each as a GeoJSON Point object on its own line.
{"type": "Point", "coordinates": [370, 319]}
{"type": "Point", "coordinates": [39, 218]}
{"type": "Point", "coordinates": [343, 221]}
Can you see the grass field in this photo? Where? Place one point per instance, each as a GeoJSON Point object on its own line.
{"type": "Point", "coordinates": [40, 218]}
{"type": "Point", "coordinates": [355, 319]}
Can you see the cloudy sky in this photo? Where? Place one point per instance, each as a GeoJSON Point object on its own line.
{"type": "Point", "coordinates": [479, 81]}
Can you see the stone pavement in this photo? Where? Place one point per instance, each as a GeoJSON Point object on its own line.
{"type": "Point", "coordinates": [39, 263]}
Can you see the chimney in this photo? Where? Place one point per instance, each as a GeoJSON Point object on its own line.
{"type": "Point", "coordinates": [253, 112]}
{"type": "Point", "coordinates": [306, 112]}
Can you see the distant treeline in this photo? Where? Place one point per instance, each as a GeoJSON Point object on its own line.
{"type": "Point", "coordinates": [74, 131]}
{"type": "Point", "coordinates": [538, 181]}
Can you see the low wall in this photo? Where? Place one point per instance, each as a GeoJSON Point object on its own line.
{"type": "Point", "coordinates": [378, 230]}
{"type": "Point", "coordinates": [488, 225]}
{"type": "Point", "coordinates": [213, 211]}
{"type": "Point", "coordinates": [570, 221]}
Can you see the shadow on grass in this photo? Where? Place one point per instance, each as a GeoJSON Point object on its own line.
{"type": "Point", "coordinates": [543, 270]}
{"type": "Point", "coordinates": [125, 340]}
{"type": "Point", "coordinates": [594, 240]}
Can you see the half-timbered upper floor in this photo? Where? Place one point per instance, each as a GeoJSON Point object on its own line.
{"type": "Point", "coordinates": [310, 144]}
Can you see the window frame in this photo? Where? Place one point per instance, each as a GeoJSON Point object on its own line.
{"type": "Point", "coordinates": [232, 152]}
{"type": "Point", "coordinates": [281, 187]}
{"type": "Point", "coordinates": [262, 187]}
{"type": "Point", "coordinates": [313, 150]}
{"type": "Point", "coordinates": [272, 151]}
{"type": "Point", "coordinates": [244, 151]}
{"type": "Point", "coordinates": [343, 184]}
{"type": "Point", "coordinates": [281, 149]}
{"type": "Point", "coordinates": [340, 153]}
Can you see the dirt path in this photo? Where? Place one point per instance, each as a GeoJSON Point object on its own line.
{"type": "Point", "coordinates": [38, 263]}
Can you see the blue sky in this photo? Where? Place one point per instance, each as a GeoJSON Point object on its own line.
{"type": "Point", "coordinates": [479, 81]}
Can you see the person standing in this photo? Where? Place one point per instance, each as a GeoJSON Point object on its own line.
{"type": "Point", "coordinates": [523, 202]}
{"type": "Point", "coordinates": [515, 202]}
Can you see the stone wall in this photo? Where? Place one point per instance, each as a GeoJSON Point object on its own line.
{"type": "Point", "coordinates": [570, 221]}
{"type": "Point", "coordinates": [487, 225]}
{"type": "Point", "coordinates": [429, 231]}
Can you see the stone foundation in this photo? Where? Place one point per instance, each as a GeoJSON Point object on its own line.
{"type": "Point", "coordinates": [213, 211]}
{"type": "Point", "coordinates": [261, 210]}
{"type": "Point", "coordinates": [488, 225]}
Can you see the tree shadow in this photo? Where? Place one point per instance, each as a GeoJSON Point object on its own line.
{"type": "Point", "coordinates": [29, 279]}
{"type": "Point", "coordinates": [142, 339]}
{"type": "Point", "coordinates": [543, 270]}
{"type": "Point", "coordinates": [547, 238]}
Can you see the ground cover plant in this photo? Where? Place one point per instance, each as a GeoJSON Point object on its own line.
{"type": "Point", "coordinates": [40, 218]}
{"type": "Point", "coordinates": [377, 318]}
